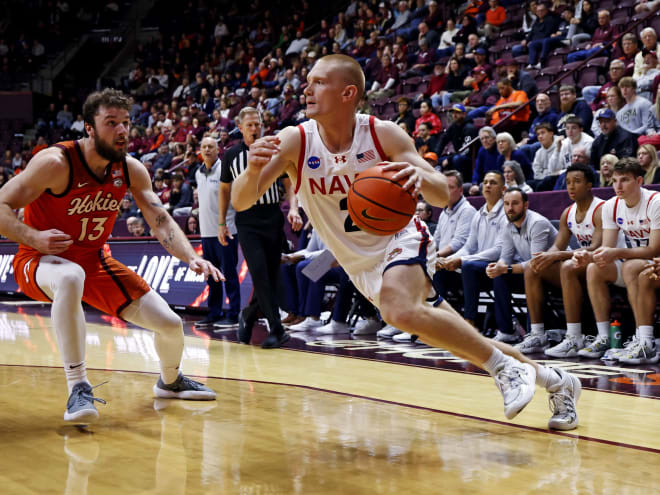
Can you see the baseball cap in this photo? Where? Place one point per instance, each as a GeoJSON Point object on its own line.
{"type": "Point", "coordinates": [457, 107]}
{"type": "Point", "coordinates": [479, 69]}
{"type": "Point", "coordinates": [431, 156]}
{"type": "Point", "coordinates": [646, 52]}
{"type": "Point", "coordinates": [481, 51]}
{"type": "Point", "coordinates": [606, 114]}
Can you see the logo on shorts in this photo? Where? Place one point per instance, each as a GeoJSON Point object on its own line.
{"type": "Point", "coordinates": [26, 270]}
{"type": "Point", "coordinates": [314, 162]}
{"type": "Point", "coordinates": [394, 253]}
{"type": "Point", "coordinates": [619, 221]}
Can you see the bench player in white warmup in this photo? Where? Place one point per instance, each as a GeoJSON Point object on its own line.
{"type": "Point", "coordinates": [322, 157]}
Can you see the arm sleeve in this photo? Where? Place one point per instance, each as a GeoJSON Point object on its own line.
{"type": "Point", "coordinates": [462, 229]}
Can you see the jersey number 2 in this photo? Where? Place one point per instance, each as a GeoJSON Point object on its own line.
{"type": "Point", "coordinates": [349, 226]}
{"type": "Point", "coordinates": [95, 232]}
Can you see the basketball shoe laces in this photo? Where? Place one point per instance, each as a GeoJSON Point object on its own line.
{"type": "Point", "coordinates": [561, 405]}
{"type": "Point", "coordinates": [508, 379]}
{"type": "Point", "coordinates": [183, 383]}
{"type": "Point", "coordinates": [83, 397]}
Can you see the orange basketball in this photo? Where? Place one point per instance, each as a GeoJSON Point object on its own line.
{"type": "Point", "coordinates": [379, 205]}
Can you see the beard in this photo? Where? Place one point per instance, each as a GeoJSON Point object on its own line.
{"type": "Point", "coordinates": [107, 151]}
{"type": "Point", "coordinates": [514, 217]}
{"type": "Point", "coordinates": [566, 106]}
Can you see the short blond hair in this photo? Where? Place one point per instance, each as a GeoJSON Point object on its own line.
{"type": "Point", "coordinates": [245, 111]}
{"type": "Point", "coordinates": [350, 70]}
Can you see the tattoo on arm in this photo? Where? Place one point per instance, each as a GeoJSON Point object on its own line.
{"type": "Point", "coordinates": [161, 219]}
{"type": "Point", "coordinates": [168, 240]}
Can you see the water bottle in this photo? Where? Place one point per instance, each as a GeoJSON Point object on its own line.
{"type": "Point", "coordinates": [615, 335]}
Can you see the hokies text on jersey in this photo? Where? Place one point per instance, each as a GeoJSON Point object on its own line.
{"type": "Point", "coordinates": [80, 206]}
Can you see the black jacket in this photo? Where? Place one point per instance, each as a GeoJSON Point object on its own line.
{"type": "Point", "coordinates": [620, 143]}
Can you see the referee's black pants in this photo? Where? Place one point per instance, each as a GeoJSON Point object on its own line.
{"type": "Point", "coordinates": [261, 234]}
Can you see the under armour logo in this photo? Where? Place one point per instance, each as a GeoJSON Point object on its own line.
{"type": "Point", "coordinates": [340, 158]}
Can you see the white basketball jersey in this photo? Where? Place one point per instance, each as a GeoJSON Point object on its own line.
{"type": "Point", "coordinates": [583, 231]}
{"type": "Point", "coordinates": [324, 179]}
{"type": "Point", "coordinates": [637, 222]}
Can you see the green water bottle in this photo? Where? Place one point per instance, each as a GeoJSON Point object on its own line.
{"type": "Point", "coordinates": [615, 335]}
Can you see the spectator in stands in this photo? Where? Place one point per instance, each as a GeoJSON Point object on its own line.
{"type": "Point", "coordinates": [459, 133]}
{"type": "Point", "coordinates": [64, 117]}
{"type": "Point", "coordinates": [603, 34]}
{"type": "Point", "coordinates": [615, 103]}
{"type": "Point", "coordinates": [637, 115]}
{"type": "Point", "coordinates": [520, 79]}
{"type": "Point", "coordinates": [429, 39]}
{"type": "Point", "coordinates": [649, 73]}
{"type": "Point", "coordinates": [487, 158]}
{"type": "Point", "coordinates": [127, 207]}
{"type": "Point", "coordinates": [436, 87]}
{"type": "Point", "coordinates": [425, 141]}
{"type": "Point", "coordinates": [635, 212]}
{"type": "Point", "coordinates": [404, 113]}
{"type": "Point", "coordinates": [289, 107]}
{"type": "Point", "coordinates": [646, 6]}
{"type": "Point", "coordinates": [78, 127]}
{"type": "Point", "coordinates": [607, 163]}
{"type": "Point", "coordinates": [575, 138]}
{"type": "Point", "coordinates": [452, 231]}
{"type": "Point", "coordinates": [544, 113]}
{"type": "Point", "coordinates": [455, 79]}
{"type": "Point", "coordinates": [427, 116]}
{"type": "Point", "coordinates": [41, 145]}
{"type": "Point", "coordinates": [495, 17]}
{"type": "Point", "coordinates": [482, 245]}
{"type": "Point", "coordinates": [484, 94]}
{"type": "Point", "coordinates": [570, 105]}
{"type": "Point", "coordinates": [596, 96]}
{"type": "Point", "coordinates": [137, 227]}
{"type": "Point", "coordinates": [545, 46]}
{"type": "Point", "coordinates": [526, 232]}
{"type": "Point", "coordinates": [509, 100]}
{"type": "Point", "coordinates": [468, 27]}
{"type": "Point", "coordinates": [585, 22]}
{"type": "Point", "coordinates": [547, 163]}
{"type": "Point", "coordinates": [192, 226]}
{"type": "Point", "coordinates": [506, 147]}
{"type": "Point", "coordinates": [446, 46]}
{"type": "Point", "coordinates": [647, 156]}
{"type": "Point", "coordinates": [545, 25]}
{"type": "Point", "coordinates": [612, 140]}
{"type": "Point", "coordinates": [556, 267]}
{"type": "Point", "coordinates": [385, 81]}
{"type": "Point", "coordinates": [164, 157]}
{"type": "Point", "coordinates": [514, 176]}
{"type": "Point", "coordinates": [181, 195]}
{"type": "Point", "coordinates": [630, 48]}
{"type": "Point", "coordinates": [425, 212]}
{"type": "Point", "coordinates": [650, 43]}
{"type": "Point", "coordinates": [401, 17]}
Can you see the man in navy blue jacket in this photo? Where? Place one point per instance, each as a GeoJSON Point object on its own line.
{"type": "Point", "coordinates": [570, 105]}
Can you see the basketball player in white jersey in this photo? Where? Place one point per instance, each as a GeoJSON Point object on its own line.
{"type": "Point", "coordinates": [555, 266]}
{"type": "Point", "coordinates": [322, 157]}
{"type": "Point", "coordinates": [636, 212]}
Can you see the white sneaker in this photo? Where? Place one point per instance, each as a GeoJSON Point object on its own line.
{"type": "Point", "coordinates": [563, 401]}
{"type": "Point", "coordinates": [568, 347]}
{"type": "Point", "coordinates": [594, 347]}
{"type": "Point", "coordinates": [615, 353]}
{"type": "Point", "coordinates": [533, 342]}
{"type": "Point", "coordinates": [366, 327]}
{"type": "Point", "coordinates": [516, 382]}
{"type": "Point", "coordinates": [306, 325]}
{"type": "Point", "coordinates": [404, 337]}
{"type": "Point", "coordinates": [387, 332]}
{"type": "Point", "coordinates": [642, 352]}
{"type": "Point", "coordinates": [333, 327]}
{"type": "Point", "coordinates": [509, 338]}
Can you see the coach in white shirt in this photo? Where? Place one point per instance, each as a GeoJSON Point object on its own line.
{"type": "Point", "coordinates": [452, 230]}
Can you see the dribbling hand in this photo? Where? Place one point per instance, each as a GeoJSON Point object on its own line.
{"type": "Point", "coordinates": [262, 150]}
{"type": "Point", "coordinates": [414, 175]}
{"type": "Point", "coordinates": [52, 241]}
{"type": "Point", "coordinates": [202, 266]}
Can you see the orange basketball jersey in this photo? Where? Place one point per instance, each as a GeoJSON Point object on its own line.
{"type": "Point", "coordinates": [86, 210]}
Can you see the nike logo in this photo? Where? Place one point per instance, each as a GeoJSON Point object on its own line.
{"type": "Point", "coordinates": [366, 215]}
{"type": "Point", "coordinates": [82, 184]}
{"type": "Point", "coordinates": [74, 366]}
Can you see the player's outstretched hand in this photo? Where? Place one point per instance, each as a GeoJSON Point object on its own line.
{"type": "Point", "coordinates": [262, 150]}
{"type": "Point", "coordinates": [414, 175]}
{"type": "Point", "coordinates": [200, 265]}
{"type": "Point", "coordinates": [52, 241]}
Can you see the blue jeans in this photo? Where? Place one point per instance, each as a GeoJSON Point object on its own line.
{"type": "Point", "coordinates": [477, 112]}
{"type": "Point", "coordinates": [545, 45]}
{"type": "Point", "coordinates": [518, 50]}
{"type": "Point", "coordinates": [308, 294]}
{"type": "Point", "coordinates": [584, 54]}
{"type": "Point", "coordinates": [474, 281]}
{"type": "Point", "coordinates": [502, 287]}
{"type": "Point", "coordinates": [225, 258]}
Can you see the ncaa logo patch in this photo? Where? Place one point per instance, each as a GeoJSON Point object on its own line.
{"type": "Point", "coordinates": [314, 162]}
{"type": "Point", "coordinates": [619, 221]}
{"type": "Point", "coordinates": [570, 224]}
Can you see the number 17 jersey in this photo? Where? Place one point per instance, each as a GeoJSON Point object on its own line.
{"type": "Point", "coordinates": [323, 181]}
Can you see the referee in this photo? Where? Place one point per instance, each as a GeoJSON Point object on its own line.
{"type": "Point", "coordinates": [260, 234]}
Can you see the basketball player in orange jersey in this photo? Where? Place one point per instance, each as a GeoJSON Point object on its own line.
{"type": "Point", "coordinates": [321, 157]}
{"type": "Point", "coordinates": [71, 193]}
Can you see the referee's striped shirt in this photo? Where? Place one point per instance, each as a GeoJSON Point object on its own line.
{"type": "Point", "coordinates": [234, 162]}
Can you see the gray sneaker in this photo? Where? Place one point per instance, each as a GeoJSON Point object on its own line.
{"type": "Point", "coordinates": [563, 401]}
{"type": "Point", "coordinates": [183, 388]}
{"type": "Point", "coordinates": [594, 347]}
{"type": "Point", "coordinates": [533, 342]}
{"type": "Point", "coordinates": [80, 406]}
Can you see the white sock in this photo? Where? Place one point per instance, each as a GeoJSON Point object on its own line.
{"type": "Point", "coordinates": [546, 377]}
{"type": "Point", "coordinates": [75, 373]}
{"type": "Point", "coordinates": [496, 358]}
{"type": "Point", "coordinates": [574, 329]}
{"type": "Point", "coordinates": [603, 329]}
{"type": "Point", "coordinates": [538, 328]}
{"type": "Point", "coordinates": [646, 333]}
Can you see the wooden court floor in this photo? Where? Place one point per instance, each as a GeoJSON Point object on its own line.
{"type": "Point", "coordinates": [302, 421]}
